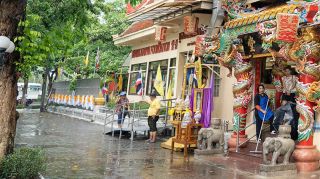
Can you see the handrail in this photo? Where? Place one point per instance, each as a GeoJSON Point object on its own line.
{"type": "Point", "coordinates": [133, 119]}
{"type": "Point", "coordinates": [238, 129]}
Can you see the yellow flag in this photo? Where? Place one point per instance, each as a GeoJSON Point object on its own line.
{"type": "Point", "coordinates": [158, 83]}
{"type": "Point", "coordinates": [120, 82]}
{"type": "Point", "coordinates": [169, 94]}
{"type": "Point", "coordinates": [86, 61]}
{"type": "Point", "coordinates": [198, 71]}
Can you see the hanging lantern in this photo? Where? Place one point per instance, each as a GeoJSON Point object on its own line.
{"type": "Point", "coordinates": [190, 25]}
{"type": "Point", "coordinates": [287, 27]}
{"type": "Point", "coordinates": [199, 48]}
{"type": "Point", "coordinates": [161, 33]}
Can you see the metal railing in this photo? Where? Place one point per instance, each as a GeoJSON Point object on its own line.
{"type": "Point", "coordinates": [242, 129]}
{"type": "Point", "coordinates": [134, 118]}
{"type": "Point", "coordinates": [238, 144]}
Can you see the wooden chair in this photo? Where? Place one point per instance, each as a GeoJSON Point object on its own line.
{"type": "Point", "coordinates": [186, 136]}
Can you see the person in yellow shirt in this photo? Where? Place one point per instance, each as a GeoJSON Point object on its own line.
{"type": "Point", "coordinates": [153, 116]}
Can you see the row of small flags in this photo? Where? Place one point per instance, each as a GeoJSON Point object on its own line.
{"type": "Point", "coordinates": [86, 102]}
{"type": "Point", "coordinates": [86, 62]}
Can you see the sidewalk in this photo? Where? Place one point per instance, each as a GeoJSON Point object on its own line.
{"type": "Point", "coordinates": [247, 167]}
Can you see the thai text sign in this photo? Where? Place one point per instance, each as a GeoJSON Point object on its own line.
{"type": "Point", "coordinates": [160, 33]}
{"type": "Point", "coordinates": [287, 26]}
{"type": "Point", "coordinates": [154, 49]}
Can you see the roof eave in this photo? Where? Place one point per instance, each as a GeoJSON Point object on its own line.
{"type": "Point", "coordinates": [123, 40]}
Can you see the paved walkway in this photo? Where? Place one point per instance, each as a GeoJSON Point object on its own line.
{"type": "Point", "coordinates": [78, 149]}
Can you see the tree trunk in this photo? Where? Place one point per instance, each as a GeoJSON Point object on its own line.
{"type": "Point", "coordinates": [11, 11]}
{"type": "Point", "coordinates": [44, 89]}
{"type": "Point", "coordinates": [25, 91]}
{"type": "Point", "coordinates": [51, 79]}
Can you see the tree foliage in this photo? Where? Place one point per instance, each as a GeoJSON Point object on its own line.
{"type": "Point", "coordinates": [59, 33]}
{"type": "Point", "coordinates": [98, 34]}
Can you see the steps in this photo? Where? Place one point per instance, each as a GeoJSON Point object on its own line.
{"type": "Point", "coordinates": [245, 154]}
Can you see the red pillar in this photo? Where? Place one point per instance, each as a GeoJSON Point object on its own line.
{"type": "Point", "coordinates": [243, 95]}
{"type": "Point", "coordinates": [306, 155]}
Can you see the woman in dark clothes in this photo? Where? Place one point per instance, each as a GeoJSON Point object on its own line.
{"type": "Point", "coordinates": [262, 111]}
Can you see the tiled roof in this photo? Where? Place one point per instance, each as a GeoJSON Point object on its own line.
{"type": "Point", "coordinates": [265, 15]}
{"type": "Point", "coordinates": [137, 26]}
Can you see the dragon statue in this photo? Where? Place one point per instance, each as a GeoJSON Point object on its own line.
{"type": "Point", "coordinates": [304, 53]}
{"type": "Point", "coordinates": [231, 58]}
{"type": "Point", "coordinates": [235, 8]}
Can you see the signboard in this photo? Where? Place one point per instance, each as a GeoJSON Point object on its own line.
{"type": "Point", "coordinates": [154, 49]}
{"type": "Point", "coordinates": [287, 27]}
{"type": "Point", "coordinates": [190, 25]}
{"type": "Point", "coordinates": [161, 33]}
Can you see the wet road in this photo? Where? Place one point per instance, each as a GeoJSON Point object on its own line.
{"type": "Point", "coordinates": [78, 149]}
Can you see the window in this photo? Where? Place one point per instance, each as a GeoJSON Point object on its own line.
{"type": "Point", "coordinates": [217, 81]}
{"type": "Point", "coordinates": [172, 73]}
{"type": "Point", "coordinates": [136, 69]}
{"type": "Point", "coordinates": [153, 68]}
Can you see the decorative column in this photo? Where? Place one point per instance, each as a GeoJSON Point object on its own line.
{"type": "Point", "coordinates": [242, 91]}
{"type": "Point", "coordinates": [306, 155]}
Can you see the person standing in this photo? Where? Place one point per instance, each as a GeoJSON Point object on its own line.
{"type": "Point", "coordinates": [153, 116]}
{"type": "Point", "coordinates": [263, 113]}
{"type": "Point", "coordinates": [289, 82]}
{"type": "Point", "coordinates": [122, 108]}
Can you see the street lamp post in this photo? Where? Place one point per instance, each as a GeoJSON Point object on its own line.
{"type": "Point", "coordinates": [6, 46]}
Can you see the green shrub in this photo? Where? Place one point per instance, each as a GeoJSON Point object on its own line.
{"type": "Point", "coordinates": [23, 163]}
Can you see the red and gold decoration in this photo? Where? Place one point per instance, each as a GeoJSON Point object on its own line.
{"type": "Point", "coordinates": [199, 48]}
{"type": "Point", "coordinates": [304, 52]}
{"type": "Point", "coordinates": [190, 24]}
{"type": "Point", "coordinates": [287, 27]}
{"type": "Point", "coordinates": [161, 33]}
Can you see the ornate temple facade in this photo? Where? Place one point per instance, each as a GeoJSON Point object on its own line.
{"type": "Point", "coordinates": [251, 42]}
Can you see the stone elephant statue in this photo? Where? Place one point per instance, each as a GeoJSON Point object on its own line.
{"type": "Point", "coordinates": [209, 137]}
{"type": "Point", "coordinates": [279, 146]}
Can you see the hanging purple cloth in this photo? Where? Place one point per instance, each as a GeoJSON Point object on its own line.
{"type": "Point", "coordinates": [207, 104]}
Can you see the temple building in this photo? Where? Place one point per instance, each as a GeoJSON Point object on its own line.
{"type": "Point", "coordinates": [235, 47]}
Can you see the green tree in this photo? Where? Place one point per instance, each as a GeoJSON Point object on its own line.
{"type": "Point", "coordinates": [99, 35]}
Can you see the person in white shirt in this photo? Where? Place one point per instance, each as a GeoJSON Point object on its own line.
{"type": "Point", "coordinates": [289, 82]}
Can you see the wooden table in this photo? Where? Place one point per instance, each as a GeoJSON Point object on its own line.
{"type": "Point", "coordinates": [185, 135]}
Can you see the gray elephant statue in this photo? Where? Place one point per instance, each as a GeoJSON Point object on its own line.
{"type": "Point", "coordinates": [279, 146]}
{"type": "Point", "coordinates": [209, 137]}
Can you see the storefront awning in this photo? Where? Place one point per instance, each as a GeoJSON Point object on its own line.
{"type": "Point", "coordinates": [169, 9]}
{"type": "Point", "coordinates": [269, 14]}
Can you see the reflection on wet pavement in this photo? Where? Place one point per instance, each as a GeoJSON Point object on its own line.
{"type": "Point", "coordinates": [78, 149]}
